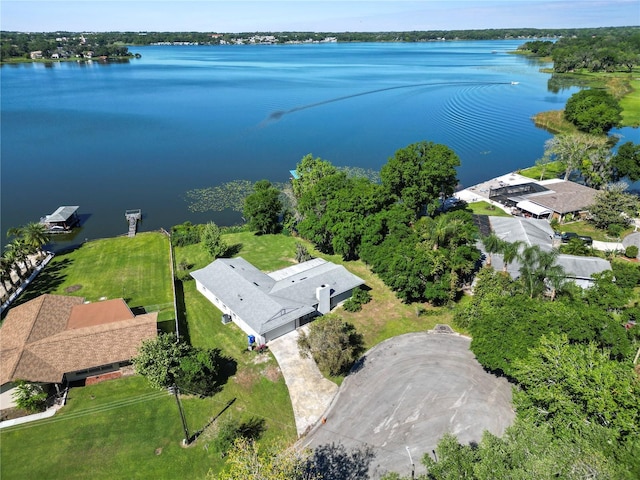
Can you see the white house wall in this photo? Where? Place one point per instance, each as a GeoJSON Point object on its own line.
{"type": "Point", "coordinates": [234, 317]}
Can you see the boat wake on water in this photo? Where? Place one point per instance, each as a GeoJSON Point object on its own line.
{"type": "Point", "coordinates": [278, 114]}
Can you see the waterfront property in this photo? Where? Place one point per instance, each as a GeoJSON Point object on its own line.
{"type": "Point", "coordinates": [270, 305]}
{"type": "Point", "coordinates": [62, 220]}
{"type": "Point", "coordinates": [56, 339]}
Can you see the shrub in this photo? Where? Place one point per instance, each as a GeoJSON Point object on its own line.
{"type": "Point", "coordinates": [358, 298]}
{"type": "Point", "coordinates": [631, 251]}
{"type": "Point", "coordinates": [30, 397]}
{"type": "Point", "coordinates": [185, 234]}
{"type": "Point", "coordinates": [615, 230]}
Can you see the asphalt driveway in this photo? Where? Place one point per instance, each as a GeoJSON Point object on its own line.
{"type": "Point", "coordinates": [409, 391]}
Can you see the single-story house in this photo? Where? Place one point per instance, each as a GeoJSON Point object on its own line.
{"type": "Point", "coordinates": [547, 199]}
{"type": "Point", "coordinates": [56, 339]}
{"type": "Point", "coordinates": [270, 305]}
{"type": "Point", "coordinates": [531, 232]}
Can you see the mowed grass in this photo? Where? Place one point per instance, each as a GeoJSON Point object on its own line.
{"type": "Point", "coordinates": [123, 428]}
{"type": "Point", "coordinates": [486, 208]}
{"type": "Point", "coordinates": [137, 269]}
{"type": "Point", "coordinates": [549, 171]}
{"type": "Point", "coordinates": [384, 317]}
{"type": "Point", "coordinates": [630, 104]}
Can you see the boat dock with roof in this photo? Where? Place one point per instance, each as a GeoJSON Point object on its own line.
{"type": "Point", "coordinates": [63, 220]}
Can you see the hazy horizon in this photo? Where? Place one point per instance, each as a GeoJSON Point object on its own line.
{"type": "Point", "coordinates": [311, 15]}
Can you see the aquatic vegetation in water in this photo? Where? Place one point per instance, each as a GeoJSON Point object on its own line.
{"type": "Point", "coordinates": [227, 196]}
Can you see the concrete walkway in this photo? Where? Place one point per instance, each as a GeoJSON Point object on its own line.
{"type": "Point", "coordinates": [311, 393]}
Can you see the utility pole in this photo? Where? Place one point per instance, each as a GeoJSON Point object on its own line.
{"type": "Point", "coordinates": [413, 467]}
{"type": "Point", "coordinates": [174, 389]}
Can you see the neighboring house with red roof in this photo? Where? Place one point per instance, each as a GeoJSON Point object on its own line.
{"type": "Point", "coordinates": [56, 339]}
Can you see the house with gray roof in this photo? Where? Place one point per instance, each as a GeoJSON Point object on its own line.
{"type": "Point", "coordinates": [270, 305]}
{"type": "Point", "coordinates": [531, 232]}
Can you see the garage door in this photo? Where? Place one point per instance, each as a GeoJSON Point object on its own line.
{"type": "Point", "coordinates": [278, 332]}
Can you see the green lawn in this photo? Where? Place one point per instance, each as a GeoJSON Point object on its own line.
{"type": "Point", "coordinates": [485, 208]}
{"type": "Point", "coordinates": [630, 104]}
{"type": "Point", "coordinates": [585, 228]}
{"type": "Point", "coordinates": [136, 269]}
{"type": "Point", "coordinates": [551, 170]}
{"type": "Point", "coordinates": [124, 429]}
{"type": "Point", "coordinates": [114, 429]}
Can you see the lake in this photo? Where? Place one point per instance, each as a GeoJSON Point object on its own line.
{"type": "Point", "coordinates": [115, 136]}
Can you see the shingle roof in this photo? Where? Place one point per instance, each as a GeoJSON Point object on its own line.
{"type": "Point", "coordinates": [564, 196]}
{"type": "Point", "coordinates": [36, 343]}
{"type": "Point", "coordinates": [266, 302]}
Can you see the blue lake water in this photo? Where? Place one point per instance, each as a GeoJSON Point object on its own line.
{"type": "Point", "coordinates": [110, 137]}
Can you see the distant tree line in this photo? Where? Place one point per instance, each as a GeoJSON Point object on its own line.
{"type": "Point", "coordinates": [114, 44]}
{"type": "Point", "coordinates": [609, 50]}
{"type": "Point", "coordinates": [63, 44]}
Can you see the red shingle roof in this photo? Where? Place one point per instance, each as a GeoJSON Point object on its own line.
{"type": "Point", "coordinates": [51, 335]}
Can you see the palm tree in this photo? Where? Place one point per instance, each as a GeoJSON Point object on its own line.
{"type": "Point", "coordinates": [16, 254]}
{"type": "Point", "coordinates": [5, 274]}
{"type": "Point", "coordinates": [539, 266]}
{"type": "Point", "coordinates": [35, 235]}
{"type": "Point", "coordinates": [492, 244]}
{"type": "Point", "coordinates": [510, 251]}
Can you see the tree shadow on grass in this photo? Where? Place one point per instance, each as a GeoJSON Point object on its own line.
{"type": "Point", "coordinates": [47, 281]}
{"type": "Point", "coordinates": [183, 326]}
{"type": "Point", "coordinates": [233, 250]}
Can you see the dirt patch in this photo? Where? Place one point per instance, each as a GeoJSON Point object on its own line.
{"type": "Point", "coordinates": [158, 451]}
{"type": "Point", "coordinates": [261, 358]}
{"type": "Point", "coordinates": [246, 378]}
{"type": "Point", "coordinates": [273, 373]}
{"type": "Point", "coordinates": [12, 412]}
{"type": "Point", "coordinates": [73, 288]}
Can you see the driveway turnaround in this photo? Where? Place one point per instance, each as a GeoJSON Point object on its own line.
{"type": "Point", "coordinates": [310, 392]}
{"type": "Point", "coordinates": [408, 392]}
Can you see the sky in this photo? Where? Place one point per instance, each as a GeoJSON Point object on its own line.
{"type": "Point", "coordinates": [227, 16]}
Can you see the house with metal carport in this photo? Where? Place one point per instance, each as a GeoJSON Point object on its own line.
{"type": "Point", "coordinates": [270, 305]}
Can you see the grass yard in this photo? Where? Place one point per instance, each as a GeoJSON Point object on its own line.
{"type": "Point", "coordinates": [384, 317]}
{"type": "Point", "coordinates": [124, 429]}
{"type": "Point", "coordinates": [549, 171]}
{"type": "Point", "coordinates": [136, 269]}
{"type": "Point", "coordinates": [585, 228]}
{"type": "Point", "coordinates": [630, 104]}
{"type": "Point", "coordinates": [485, 208]}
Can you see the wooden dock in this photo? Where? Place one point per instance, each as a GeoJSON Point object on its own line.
{"type": "Point", "coordinates": [132, 217]}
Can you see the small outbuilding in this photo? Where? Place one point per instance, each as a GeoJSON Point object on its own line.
{"type": "Point", "coordinates": [64, 218]}
{"type": "Point", "coordinates": [267, 306]}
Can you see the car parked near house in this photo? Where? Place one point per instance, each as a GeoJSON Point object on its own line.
{"type": "Point", "coordinates": [567, 236]}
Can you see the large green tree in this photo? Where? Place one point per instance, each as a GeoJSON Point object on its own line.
{"type": "Point", "coordinates": [421, 174]}
{"type": "Point", "coordinates": [613, 206]}
{"type": "Point", "coordinates": [263, 207]}
{"type": "Point", "coordinates": [626, 162]}
{"type": "Point", "coordinates": [572, 150]}
{"type": "Point", "coordinates": [593, 111]}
